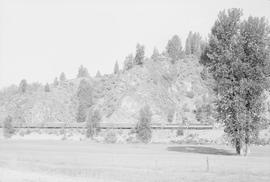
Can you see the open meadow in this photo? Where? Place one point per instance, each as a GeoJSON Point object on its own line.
{"type": "Point", "coordinates": [51, 161]}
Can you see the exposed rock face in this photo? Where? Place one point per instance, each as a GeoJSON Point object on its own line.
{"type": "Point", "coordinates": [169, 89]}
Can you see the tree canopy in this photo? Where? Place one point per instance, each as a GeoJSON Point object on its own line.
{"type": "Point", "coordinates": [236, 56]}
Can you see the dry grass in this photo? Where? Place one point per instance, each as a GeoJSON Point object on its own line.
{"type": "Point", "coordinates": [86, 161]}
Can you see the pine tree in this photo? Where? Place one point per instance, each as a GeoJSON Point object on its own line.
{"type": "Point", "coordinates": [128, 63]}
{"type": "Point", "coordinates": [23, 86]}
{"type": "Point", "coordinates": [62, 77]}
{"type": "Point", "coordinates": [143, 128]}
{"type": "Point", "coordinates": [188, 43]}
{"type": "Point", "coordinates": [236, 56]}
{"type": "Point", "coordinates": [85, 100]}
{"type": "Point", "coordinates": [98, 74]}
{"type": "Point", "coordinates": [116, 68]}
{"type": "Point", "coordinates": [56, 82]}
{"type": "Point", "coordinates": [194, 44]}
{"type": "Point", "coordinates": [139, 54]}
{"type": "Point", "coordinates": [82, 72]}
{"type": "Point", "coordinates": [47, 88]}
{"type": "Point", "coordinates": [174, 48]}
{"type": "Point", "coordinates": [155, 54]}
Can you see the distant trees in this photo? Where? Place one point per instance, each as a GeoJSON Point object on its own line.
{"type": "Point", "coordinates": [82, 72]}
{"type": "Point", "coordinates": [139, 54]}
{"type": "Point", "coordinates": [56, 82]}
{"type": "Point", "coordinates": [174, 48]}
{"type": "Point", "coordinates": [47, 88]}
{"type": "Point", "coordinates": [93, 120]}
{"type": "Point", "coordinates": [237, 56]}
{"type": "Point", "coordinates": [143, 128]}
{"type": "Point", "coordinates": [128, 63]}
{"type": "Point", "coordinates": [85, 98]}
{"type": "Point", "coordinates": [23, 86]}
{"type": "Point", "coordinates": [194, 44]}
{"type": "Point", "coordinates": [62, 77]}
{"type": "Point", "coordinates": [98, 74]}
{"type": "Point", "coordinates": [8, 129]}
{"type": "Point", "coordinates": [116, 68]}
{"type": "Point", "coordinates": [155, 54]}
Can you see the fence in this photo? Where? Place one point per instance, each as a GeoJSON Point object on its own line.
{"type": "Point", "coordinates": [113, 126]}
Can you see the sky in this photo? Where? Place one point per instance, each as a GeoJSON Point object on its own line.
{"type": "Point", "coordinates": [39, 39]}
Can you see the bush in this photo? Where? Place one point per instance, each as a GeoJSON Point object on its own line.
{"type": "Point", "coordinates": [179, 132]}
{"type": "Point", "coordinates": [190, 94]}
{"type": "Point", "coordinates": [143, 128]}
{"type": "Point", "coordinates": [8, 129]}
{"type": "Point", "coordinates": [110, 137]}
{"type": "Point", "coordinates": [170, 115]}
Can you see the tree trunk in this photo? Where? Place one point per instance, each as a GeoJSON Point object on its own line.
{"type": "Point", "coordinates": [238, 146]}
{"type": "Point", "coordinates": [247, 143]}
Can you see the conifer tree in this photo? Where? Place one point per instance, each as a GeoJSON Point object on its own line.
{"type": "Point", "coordinates": [85, 100]}
{"type": "Point", "coordinates": [56, 82]}
{"type": "Point", "coordinates": [93, 120]}
{"type": "Point", "coordinates": [128, 63]}
{"type": "Point", "coordinates": [116, 68]}
{"type": "Point", "coordinates": [139, 54]}
{"type": "Point", "coordinates": [155, 54]}
{"type": "Point", "coordinates": [47, 88]}
{"type": "Point", "coordinates": [23, 86]}
{"type": "Point", "coordinates": [98, 74]}
{"type": "Point", "coordinates": [62, 77]}
{"type": "Point", "coordinates": [143, 128]}
{"type": "Point", "coordinates": [174, 48]}
{"type": "Point", "coordinates": [82, 72]}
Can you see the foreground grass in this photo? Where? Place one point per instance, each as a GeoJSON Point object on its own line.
{"type": "Point", "coordinates": [44, 161]}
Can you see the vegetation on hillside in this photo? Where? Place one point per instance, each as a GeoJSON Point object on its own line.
{"type": "Point", "coordinates": [219, 80]}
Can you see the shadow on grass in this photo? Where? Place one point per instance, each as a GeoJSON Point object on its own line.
{"type": "Point", "coordinates": [200, 150]}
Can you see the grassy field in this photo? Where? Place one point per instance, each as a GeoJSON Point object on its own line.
{"type": "Point", "coordinates": [51, 161]}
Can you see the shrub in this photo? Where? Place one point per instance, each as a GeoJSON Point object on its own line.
{"type": "Point", "coordinates": [190, 94]}
{"type": "Point", "coordinates": [143, 128]}
{"type": "Point", "coordinates": [170, 115]}
{"type": "Point", "coordinates": [110, 137]}
{"type": "Point", "coordinates": [179, 132]}
{"type": "Point", "coordinates": [8, 129]}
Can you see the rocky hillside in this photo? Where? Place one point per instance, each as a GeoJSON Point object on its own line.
{"type": "Point", "coordinates": [175, 93]}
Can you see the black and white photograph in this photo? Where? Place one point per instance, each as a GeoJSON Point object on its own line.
{"type": "Point", "coordinates": [134, 91]}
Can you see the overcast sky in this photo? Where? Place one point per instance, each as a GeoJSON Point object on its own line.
{"type": "Point", "coordinates": [42, 38]}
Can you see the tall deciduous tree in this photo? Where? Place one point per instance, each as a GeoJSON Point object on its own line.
{"type": "Point", "coordinates": [237, 54]}
{"type": "Point", "coordinates": [85, 98]}
{"type": "Point", "coordinates": [174, 48]}
{"type": "Point", "coordinates": [139, 54]}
